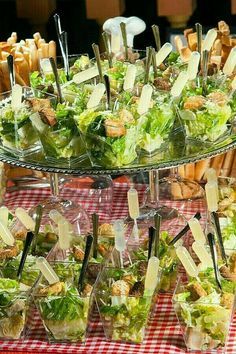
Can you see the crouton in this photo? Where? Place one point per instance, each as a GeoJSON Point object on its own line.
{"type": "Point", "coordinates": [78, 253]}
{"type": "Point", "coordinates": [48, 116]}
{"type": "Point", "coordinates": [226, 273]}
{"type": "Point", "coordinates": [219, 98]}
{"type": "Point", "coordinates": [194, 102]}
{"type": "Point", "coordinates": [38, 103]}
{"type": "Point", "coordinates": [162, 84]}
{"type": "Point", "coordinates": [114, 129]}
{"type": "Point", "coordinates": [196, 291]}
{"type": "Point", "coordinates": [9, 252]}
{"type": "Point", "coordinates": [53, 289]}
{"type": "Point", "coordinates": [120, 287]}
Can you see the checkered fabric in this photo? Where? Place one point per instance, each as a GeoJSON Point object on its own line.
{"type": "Point", "coordinates": [163, 332]}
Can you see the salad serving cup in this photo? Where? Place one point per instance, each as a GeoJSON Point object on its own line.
{"type": "Point", "coordinates": [17, 132]}
{"type": "Point", "coordinates": [14, 306]}
{"type": "Point", "coordinates": [111, 137]}
{"type": "Point", "coordinates": [205, 119]}
{"type": "Point", "coordinates": [63, 310]}
{"type": "Point", "coordinates": [123, 307]}
{"type": "Point", "coordinates": [204, 314]}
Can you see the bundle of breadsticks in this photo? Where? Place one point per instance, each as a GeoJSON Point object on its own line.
{"type": "Point", "coordinates": [225, 165]}
{"type": "Point", "coordinates": [221, 48]}
{"type": "Point", "coordinates": [27, 54]}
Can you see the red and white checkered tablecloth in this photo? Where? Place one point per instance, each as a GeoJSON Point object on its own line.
{"type": "Point", "coordinates": [163, 333]}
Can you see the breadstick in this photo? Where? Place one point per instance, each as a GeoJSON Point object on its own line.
{"type": "Point", "coordinates": [19, 79]}
{"type": "Point", "coordinates": [192, 41]}
{"type": "Point", "coordinates": [190, 171]}
{"type": "Point", "coordinates": [4, 76]}
{"type": "Point", "coordinates": [29, 41]}
{"type": "Point", "coordinates": [26, 56]}
{"type": "Point", "coordinates": [185, 53]}
{"type": "Point", "coordinates": [52, 49]}
{"type": "Point", "coordinates": [22, 68]}
{"type": "Point", "coordinates": [11, 40]}
{"type": "Point", "coordinates": [200, 169]}
{"type": "Point", "coordinates": [4, 55]}
{"type": "Point", "coordinates": [40, 42]}
{"type": "Point", "coordinates": [233, 169]}
{"type": "Point", "coordinates": [217, 163]}
{"type": "Point", "coordinates": [227, 164]}
{"type": "Point", "coordinates": [40, 54]}
{"type": "Point", "coordinates": [18, 55]}
{"type": "Point", "coordinates": [37, 36]}
{"type": "Point", "coordinates": [44, 47]}
{"type": "Point", "coordinates": [33, 58]}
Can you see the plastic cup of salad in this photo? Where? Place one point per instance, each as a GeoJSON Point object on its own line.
{"type": "Point", "coordinates": [63, 310]}
{"type": "Point", "coordinates": [14, 306]}
{"type": "Point", "coordinates": [205, 118]}
{"type": "Point", "coordinates": [204, 314]}
{"type": "Point", "coordinates": [59, 135]}
{"type": "Point", "coordinates": [123, 308]}
{"type": "Point", "coordinates": [110, 136]}
{"type": "Point", "coordinates": [18, 134]}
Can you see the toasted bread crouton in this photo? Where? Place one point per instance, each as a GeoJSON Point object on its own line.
{"type": "Point", "coordinates": [48, 116]}
{"type": "Point", "coordinates": [217, 47]}
{"type": "Point", "coordinates": [19, 234]}
{"type": "Point", "coordinates": [78, 253]}
{"type": "Point", "coordinates": [219, 98]}
{"type": "Point", "coordinates": [185, 54]}
{"type": "Point", "coordinates": [196, 291]}
{"type": "Point", "coordinates": [194, 102]}
{"type": "Point", "coordinates": [102, 249]}
{"type": "Point", "coordinates": [53, 289]}
{"type": "Point", "coordinates": [38, 103]}
{"type": "Point", "coordinates": [226, 273]}
{"type": "Point", "coordinates": [120, 287]}
{"type": "Point", "coordinates": [9, 252]}
{"type": "Point", "coordinates": [114, 129]}
{"type": "Point", "coordinates": [162, 84]}
{"type": "Point", "coordinates": [106, 230]}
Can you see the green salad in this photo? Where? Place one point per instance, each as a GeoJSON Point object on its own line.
{"type": "Point", "coordinates": [123, 306]}
{"type": "Point", "coordinates": [13, 309]}
{"type": "Point", "coordinates": [110, 136]}
{"type": "Point", "coordinates": [204, 314]}
{"type": "Point", "coordinates": [205, 118]}
{"type": "Point", "coordinates": [60, 137]}
{"type": "Point", "coordinates": [64, 312]}
{"type": "Point", "coordinates": [16, 130]}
